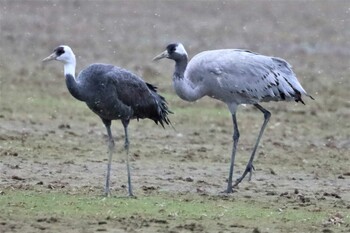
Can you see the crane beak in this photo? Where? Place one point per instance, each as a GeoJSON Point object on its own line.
{"type": "Point", "coordinates": [50, 58]}
{"type": "Point", "coordinates": [160, 56]}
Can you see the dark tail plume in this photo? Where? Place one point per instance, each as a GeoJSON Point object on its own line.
{"type": "Point", "coordinates": [162, 107]}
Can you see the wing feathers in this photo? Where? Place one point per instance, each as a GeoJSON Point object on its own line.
{"type": "Point", "coordinates": [264, 78]}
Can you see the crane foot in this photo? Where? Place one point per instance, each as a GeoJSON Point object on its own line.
{"type": "Point", "coordinates": [249, 169]}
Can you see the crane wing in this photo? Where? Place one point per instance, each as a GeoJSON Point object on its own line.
{"type": "Point", "coordinates": [140, 96]}
{"type": "Point", "coordinates": [251, 75]}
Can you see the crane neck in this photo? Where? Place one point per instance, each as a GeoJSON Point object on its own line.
{"type": "Point", "coordinates": [180, 67]}
{"type": "Point", "coordinates": [74, 87]}
{"type": "Point", "coordinates": [69, 68]}
{"type": "Point", "coordinates": [184, 87]}
{"type": "Point", "coordinates": [72, 84]}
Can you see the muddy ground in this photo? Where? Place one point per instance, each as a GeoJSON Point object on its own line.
{"type": "Point", "coordinates": [51, 142]}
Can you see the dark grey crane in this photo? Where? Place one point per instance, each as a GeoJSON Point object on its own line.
{"type": "Point", "coordinates": [234, 77]}
{"type": "Point", "coordinates": [112, 93]}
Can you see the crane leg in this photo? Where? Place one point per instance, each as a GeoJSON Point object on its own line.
{"type": "Point", "coordinates": [126, 147]}
{"type": "Point", "coordinates": [249, 169]}
{"type": "Point", "coordinates": [233, 155]}
{"type": "Point", "coordinates": [110, 154]}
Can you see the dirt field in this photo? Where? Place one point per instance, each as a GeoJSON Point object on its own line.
{"type": "Point", "coordinates": [53, 148]}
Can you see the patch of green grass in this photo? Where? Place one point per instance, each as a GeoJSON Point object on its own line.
{"type": "Point", "coordinates": [18, 204]}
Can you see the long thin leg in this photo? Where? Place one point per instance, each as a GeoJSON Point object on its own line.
{"type": "Point", "coordinates": [126, 147]}
{"type": "Point", "coordinates": [233, 155]}
{"type": "Point", "coordinates": [249, 168]}
{"type": "Point", "coordinates": [110, 154]}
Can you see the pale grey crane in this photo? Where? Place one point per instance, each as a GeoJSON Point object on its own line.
{"type": "Point", "coordinates": [112, 93]}
{"type": "Point", "coordinates": [234, 77]}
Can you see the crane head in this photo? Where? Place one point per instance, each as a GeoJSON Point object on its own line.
{"type": "Point", "coordinates": [62, 53]}
{"type": "Point", "coordinates": [173, 51]}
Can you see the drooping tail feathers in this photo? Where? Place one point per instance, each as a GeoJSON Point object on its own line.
{"type": "Point", "coordinates": [284, 85]}
{"type": "Point", "coordinates": [163, 109]}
